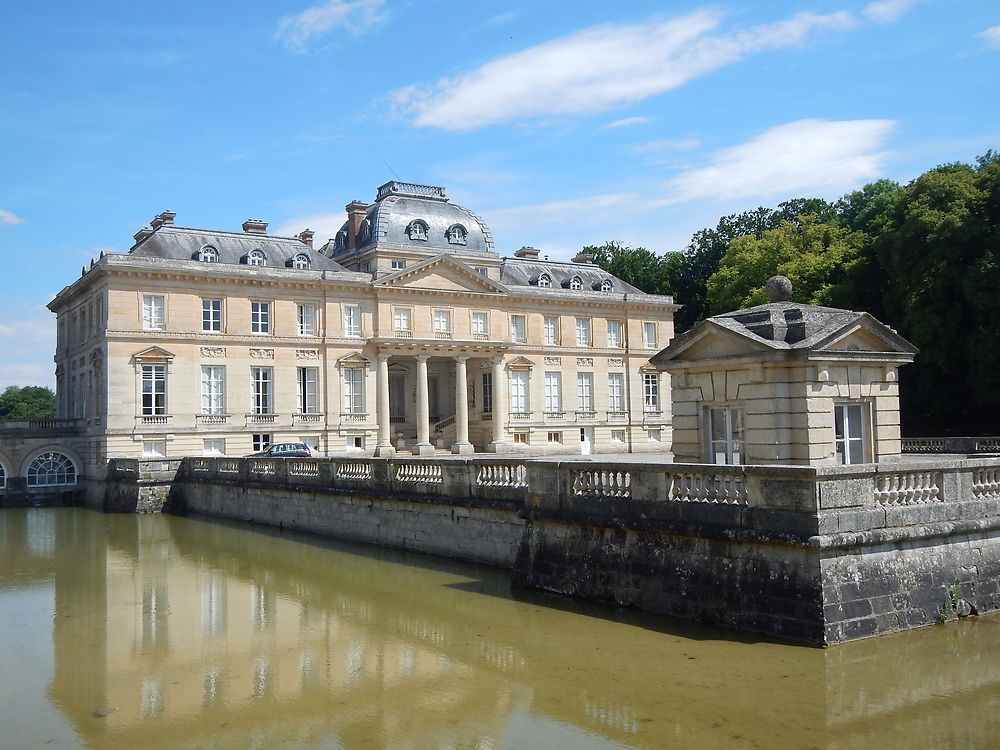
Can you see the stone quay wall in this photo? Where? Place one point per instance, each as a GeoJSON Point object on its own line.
{"type": "Point", "coordinates": [814, 554]}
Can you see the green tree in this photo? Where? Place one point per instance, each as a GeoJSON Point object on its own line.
{"type": "Point", "coordinates": [29, 402]}
{"type": "Point", "coordinates": [638, 266]}
{"type": "Point", "coordinates": [816, 256]}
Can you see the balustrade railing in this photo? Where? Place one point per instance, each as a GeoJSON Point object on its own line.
{"type": "Point", "coordinates": [598, 483]}
{"type": "Point", "coordinates": [727, 488]}
{"type": "Point", "coordinates": [263, 466]}
{"type": "Point", "coordinates": [986, 483]}
{"type": "Point", "coordinates": [353, 471]}
{"type": "Point", "coordinates": [420, 472]}
{"type": "Point", "coordinates": [303, 468]}
{"type": "Point", "coordinates": [502, 475]}
{"type": "Point", "coordinates": [908, 488]}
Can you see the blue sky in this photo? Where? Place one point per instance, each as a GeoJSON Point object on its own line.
{"type": "Point", "coordinates": [562, 123]}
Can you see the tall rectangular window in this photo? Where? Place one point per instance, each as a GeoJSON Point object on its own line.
{"type": "Point", "coordinates": [649, 335]}
{"type": "Point", "coordinates": [213, 389]}
{"type": "Point", "coordinates": [211, 315]}
{"type": "Point", "coordinates": [849, 425]}
{"type": "Point", "coordinates": [614, 334]}
{"type": "Point", "coordinates": [153, 312]}
{"type": "Point", "coordinates": [154, 389]}
{"type": "Point", "coordinates": [305, 316]}
{"type": "Point", "coordinates": [402, 319]}
{"type": "Point", "coordinates": [725, 435]}
{"type": "Point", "coordinates": [260, 317]}
{"type": "Point", "coordinates": [352, 321]}
{"type": "Point", "coordinates": [651, 392]}
{"type": "Point", "coordinates": [442, 321]}
{"type": "Point", "coordinates": [518, 392]}
{"type": "Point", "coordinates": [262, 390]}
{"type": "Point", "coordinates": [307, 379]}
{"type": "Point", "coordinates": [487, 392]}
{"type": "Point", "coordinates": [518, 329]}
{"type": "Point", "coordinates": [480, 324]}
{"type": "Point", "coordinates": [354, 390]}
{"type": "Point", "coordinates": [550, 328]}
{"type": "Point", "coordinates": [583, 331]}
{"type": "Point", "coordinates": [261, 441]}
{"type": "Point", "coordinates": [553, 392]}
{"type": "Point", "coordinates": [585, 391]}
{"type": "Point", "coordinates": [616, 391]}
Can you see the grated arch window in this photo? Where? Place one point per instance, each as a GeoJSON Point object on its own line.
{"type": "Point", "coordinates": [417, 230]}
{"type": "Point", "coordinates": [51, 469]}
{"type": "Point", "coordinates": [607, 286]}
{"type": "Point", "coordinates": [301, 261]}
{"type": "Point", "coordinates": [256, 258]}
{"type": "Point", "coordinates": [457, 234]}
{"type": "Point", "coordinates": [208, 254]}
{"type": "Point", "coordinates": [576, 283]}
{"type": "Point", "coordinates": [545, 281]}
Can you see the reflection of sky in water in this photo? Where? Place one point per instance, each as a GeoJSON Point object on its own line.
{"type": "Point", "coordinates": [166, 632]}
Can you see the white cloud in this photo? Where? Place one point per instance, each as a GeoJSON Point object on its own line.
{"type": "Point", "coordinates": [27, 345]}
{"type": "Point", "coordinates": [594, 208]}
{"type": "Point", "coordinates": [992, 36]}
{"type": "Point", "coordinates": [598, 68]}
{"type": "Point", "coordinates": [806, 157]}
{"type": "Point", "coordinates": [887, 11]}
{"type": "Point", "coordinates": [354, 15]}
{"type": "Point", "coordinates": [664, 144]}
{"type": "Point", "coordinates": [626, 121]}
{"type": "Point", "coordinates": [7, 217]}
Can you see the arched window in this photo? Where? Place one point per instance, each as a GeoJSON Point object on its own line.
{"type": "Point", "coordinates": [417, 230]}
{"type": "Point", "coordinates": [3, 477]}
{"type": "Point", "coordinates": [456, 234]}
{"type": "Point", "coordinates": [544, 280]}
{"type": "Point", "coordinates": [50, 470]}
{"type": "Point", "coordinates": [607, 286]}
{"type": "Point", "coordinates": [256, 258]}
{"type": "Point", "coordinates": [576, 283]}
{"type": "Point", "coordinates": [208, 254]}
{"type": "Point", "coordinates": [301, 261]}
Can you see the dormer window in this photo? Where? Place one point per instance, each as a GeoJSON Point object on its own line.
{"type": "Point", "coordinates": [366, 231]}
{"type": "Point", "coordinates": [301, 261]}
{"type": "Point", "coordinates": [417, 230]}
{"type": "Point", "coordinates": [576, 283]}
{"type": "Point", "coordinates": [256, 258]}
{"type": "Point", "coordinates": [544, 281]}
{"type": "Point", "coordinates": [208, 254]}
{"type": "Point", "coordinates": [607, 286]}
{"type": "Point", "coordinates": [456, 234]}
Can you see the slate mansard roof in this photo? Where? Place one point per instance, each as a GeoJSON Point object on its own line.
{"type": "Point", "coordinates": [399, 204]}
{"type": "Point", "coordinates": [519, 272]}
{"type": "Point", "coordinates": [171, 242]}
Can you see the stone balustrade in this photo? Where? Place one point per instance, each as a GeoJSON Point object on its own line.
{"type": "Point", "coordinates": [966, 445]}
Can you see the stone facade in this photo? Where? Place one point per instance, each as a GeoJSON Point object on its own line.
{"type": "Point", "coordinates": [786, 383]}
{"type": "Point", "coordinates": [406, 332]}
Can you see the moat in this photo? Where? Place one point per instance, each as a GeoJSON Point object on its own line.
{"type": "Point", "coordinates": [124, 631]}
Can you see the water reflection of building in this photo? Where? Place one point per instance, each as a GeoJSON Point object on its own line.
{"type": "Point", "coordinates": [196, 634]}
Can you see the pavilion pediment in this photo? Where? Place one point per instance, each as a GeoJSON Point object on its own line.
{"type": "Point", "coordinates": [441, 273]}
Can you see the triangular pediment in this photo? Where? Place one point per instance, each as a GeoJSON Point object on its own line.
{"type": "Point", "coordinates": [865, 336]}
{"type": "Point", "coordinates": [353, 360]}
{"type": "Point", "coordinates": [153, 354]}
{"type": "Point", "coordinates": [441, 273]}
{"type": "Point", "coordinates": [708, 341]}
{"type": "Point", "coordinates": [520, 363]}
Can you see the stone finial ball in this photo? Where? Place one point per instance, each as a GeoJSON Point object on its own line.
{"type": "Point", "coordinates": [778, 288]}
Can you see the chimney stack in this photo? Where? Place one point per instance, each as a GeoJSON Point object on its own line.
{"type": "Point", "coordinates": [255, 226]}
{"type": "Point", "coordinates": [166, 217]}
{"type": "Point", "coordinates": [306, 237]}
{"type": "Point", "coordinates": [356, 211]}
{"type": "Point", "coordinates": [583, 257]}
{"type": "Point", "coordinates": [142, 234]}
{"type": "Point", "coordinates": [527, 252]}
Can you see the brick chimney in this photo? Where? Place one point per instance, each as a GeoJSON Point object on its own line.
{"type": "Point", "coordinates": [255, 226]}
{"type": "Point", "coordinates": [583, 257]}
{"type": "Point", "coordinates": [306, 237]}
{"type": "Point", "coordinates": [356, 211]}
{"type": "Point", "coordinates": [166, 217]}
{"type": "Point", "coordinates": [527, 252]}
{"type": "Point", "coordinates": [142, 234]}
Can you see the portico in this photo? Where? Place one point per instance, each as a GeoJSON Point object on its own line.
{"type": "Point", "coordinates": [441, 392]}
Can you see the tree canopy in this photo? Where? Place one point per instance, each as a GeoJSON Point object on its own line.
{"type": "Point", "coordinates": [923, 258]}
{"type": "Point", "coordinates": [28, 402]}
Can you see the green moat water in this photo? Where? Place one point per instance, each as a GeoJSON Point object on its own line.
{"type": "Point", "coordinates": [121, 631]}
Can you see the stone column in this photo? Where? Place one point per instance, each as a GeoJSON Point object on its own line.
{"type": "Point", "coordinates": [383, 446]}
{"type": "Point", "coordinates": [500, 443]}
{"type": "Point", "coordinates": [462, 444]}
{"type": "Point", "coordinates": [423, 446]}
